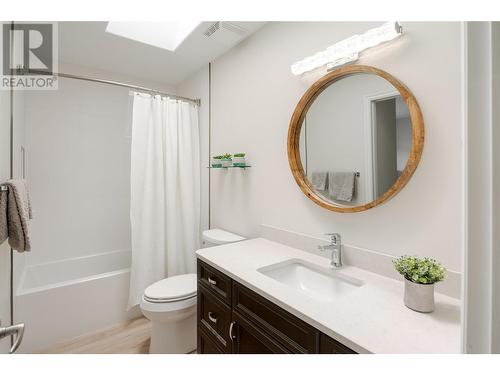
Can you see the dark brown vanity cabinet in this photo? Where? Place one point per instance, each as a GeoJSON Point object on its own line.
{"type": "Point", "coordinates": [234, 319]}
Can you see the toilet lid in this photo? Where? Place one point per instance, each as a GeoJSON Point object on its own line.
{"type": "Point", "coordinates": [173, 288]}
{"type": "Point", "coordinates": [220, 237]}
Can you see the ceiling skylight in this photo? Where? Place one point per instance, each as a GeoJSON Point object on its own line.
{"type": "Point", "coordinates": [166, 35]}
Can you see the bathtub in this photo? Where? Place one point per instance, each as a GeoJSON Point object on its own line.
{"type": "Point", "coordinates": [65, 299]}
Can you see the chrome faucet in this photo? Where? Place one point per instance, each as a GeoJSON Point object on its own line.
{"type": "Point", "coordinates": [336, 247]}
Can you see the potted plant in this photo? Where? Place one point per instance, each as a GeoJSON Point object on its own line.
{"type": "Point", "coordinates": [226, 160]}
{"type": "Point", "coordinates": [420, 276]}
{"type": "Point", "coordinates": [217, 161]}
{"type": "Point", "coordinates": [239, 160]}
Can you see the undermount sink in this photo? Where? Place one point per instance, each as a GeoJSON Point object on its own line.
{"type": "Point", "coordinates": [318, 282]}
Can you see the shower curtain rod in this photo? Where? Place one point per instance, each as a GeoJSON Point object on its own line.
{"type": "Point", "coordinates": [121, 84]}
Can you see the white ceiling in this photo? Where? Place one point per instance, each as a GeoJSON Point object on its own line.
{"type": "Point", "coordinates": [88, 44]}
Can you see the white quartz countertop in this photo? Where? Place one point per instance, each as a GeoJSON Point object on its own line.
{"type": "Point", "coordinates": [370, 319]}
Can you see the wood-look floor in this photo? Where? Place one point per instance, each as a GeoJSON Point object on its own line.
{"type": "Point", "coordinates": [128, 338]}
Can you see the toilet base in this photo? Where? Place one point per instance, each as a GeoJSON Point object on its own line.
{"type": "Point", "coordinates": [174, 337]}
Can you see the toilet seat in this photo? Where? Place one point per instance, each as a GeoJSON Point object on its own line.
{"type": "Point", "coordinates": [177, 292]}
{"type": "Point", "coordinates": [167, 300]}
{"type": "Point", "coordinates": [164, 307]}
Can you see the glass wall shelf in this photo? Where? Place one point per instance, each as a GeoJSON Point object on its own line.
{"type": "Point", "coordinates": [232, 166]}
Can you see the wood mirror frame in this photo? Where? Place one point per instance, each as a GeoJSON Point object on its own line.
{"type": "Point", "coordinates": [417, 125]}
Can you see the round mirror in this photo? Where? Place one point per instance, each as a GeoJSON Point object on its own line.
{"type": "Point", "coordinates": [355, 139]}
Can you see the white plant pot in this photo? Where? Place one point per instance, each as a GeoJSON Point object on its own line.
{"type": "Point", "coordinates": [419, 297]}
{"type": "Point", "coordinates": [226, 163]}
{"type": "Point", "coordinates": [239, 161]}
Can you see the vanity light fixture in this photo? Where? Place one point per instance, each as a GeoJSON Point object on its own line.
{"type": "Point", "coordinates": [348, 49]}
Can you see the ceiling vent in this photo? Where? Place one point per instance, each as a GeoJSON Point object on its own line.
{"type": "Point", "coordinates": [225, 32]}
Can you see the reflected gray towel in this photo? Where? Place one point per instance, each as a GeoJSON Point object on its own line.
{"type": "Point", "coordinates": [318, 180]}
{"type": "Point", "coordinates": [18, 214]}
{"type": "Point", "coordinates": [4, 232]}
{"type": "Point", "coordinates": [342, 185]}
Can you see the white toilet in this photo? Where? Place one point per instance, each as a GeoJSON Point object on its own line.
{"type": "Point", "coordinates": [170, 305]}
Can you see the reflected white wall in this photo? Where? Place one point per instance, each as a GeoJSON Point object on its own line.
{"type": "Point", "coordinates": [336, 136]}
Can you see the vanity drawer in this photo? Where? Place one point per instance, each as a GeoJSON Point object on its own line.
{"type": "Point", "coordinates": [215, 280]}
{"type": "Point", "coordinates": [291, 332]}
{"type": "Point", "coordinates": [214, 317]}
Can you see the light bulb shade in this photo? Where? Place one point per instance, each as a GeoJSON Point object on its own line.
{"type": "Point", "coordinates": [348, 50]}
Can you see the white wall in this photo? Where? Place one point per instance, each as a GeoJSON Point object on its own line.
{"type": "Point", "coordinates": [78, 166]}
{"type": "Point", "coordinates": [496, 186]}
{"type": "Point", "coordinates": [253, 97]}
{"type": "Point", "coordinates": [478, 198]}
{"type": "Point", "coordinates": [197, 87]}
{"type": "Point", "coordinates": [113, 76]}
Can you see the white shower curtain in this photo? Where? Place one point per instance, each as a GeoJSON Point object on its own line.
{"type": "Point", "coordinates": [165, 191]}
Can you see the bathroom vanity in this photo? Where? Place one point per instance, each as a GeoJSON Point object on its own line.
{"type": "Point", "coordinates": [354, 141]}
{"type": "Point", "coordinates": [260, 296]}
{"type": "Point", "coordinates": [234, 319]}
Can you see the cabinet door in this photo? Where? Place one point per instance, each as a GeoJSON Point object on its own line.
{"type": "Point", "coordinates": [331, 346]}
{"type": "Point", "coordinates": [206, 345]}
{"type": "Point", "coordinates": [248, 339]}
{"type": "Point", "coordinates": [285, 328]}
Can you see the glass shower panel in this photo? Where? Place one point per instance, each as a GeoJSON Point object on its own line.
{"type": "Point", "coordinates": [5, 305]}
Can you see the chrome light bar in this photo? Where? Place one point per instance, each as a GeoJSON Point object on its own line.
{"type": "Point", "coordinates": [348, 49]}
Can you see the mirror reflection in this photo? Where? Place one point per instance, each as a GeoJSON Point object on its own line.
{"type": "Point", "coordinates": [356, 139]}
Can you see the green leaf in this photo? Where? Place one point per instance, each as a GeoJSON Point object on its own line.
{"type": "Point", "coordinates": [418, 270]}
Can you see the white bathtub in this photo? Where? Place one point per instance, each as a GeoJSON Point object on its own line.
{"type": "Point", "coordinates": [62, 300]}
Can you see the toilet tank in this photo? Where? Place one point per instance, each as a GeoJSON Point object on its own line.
{"type": "Point", "coordinates": [214, 237]}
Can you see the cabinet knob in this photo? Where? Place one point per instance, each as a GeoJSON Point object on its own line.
{"type": "Point", "coordinates": [212, 281]}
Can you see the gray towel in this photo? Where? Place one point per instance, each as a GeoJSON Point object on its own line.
{"type": "Point", "coordinates": [318, 180]}
{"type": "Point", "coordinates": [341, 185]}
{"type": "Point", "coordinates": [4, 231]}
{"type": "Point", "coordinates": [15, 213]}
